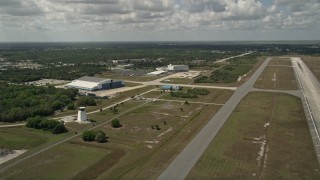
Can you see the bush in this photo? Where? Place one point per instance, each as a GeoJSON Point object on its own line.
{"type": "Point", "coordinates": [88, 136]}
{"type": "Point", "coordinates": [100, 137]}
{"type": "Point", "coordinates": [45, 124]}
{"type": "Point", "coordinates": [86, 101]}
{"type": "Point", "coordinates": [60, 128]}
{"type": "Point", "coordinates": [115, 123]}
{"type": "Point", "coordinates": [34, 122]}
{"type": "Point", "coordinates": [71, 107]}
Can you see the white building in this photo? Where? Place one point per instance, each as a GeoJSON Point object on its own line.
{"type": "Point", "coordinates": [82, 116]}
{"type": "Point", "coordinates": [94, 83]}
{"type": "Point", "coordinates": [177, 68]}
{"type": "Point", "coordinates": [156, 73]}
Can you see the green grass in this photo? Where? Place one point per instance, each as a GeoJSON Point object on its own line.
{"type": "Point", "coordinates": [277, 77]}
{"type": "Point", "coordinates": [131, 84]}
{"type": "Point", "coordinates": [63, 161]}
{"type": "Point", "coordinates": [233, 155]}
{"type": "Point", "coordinates": [25, 138]}
{"type": "Point", "coordinates": [143, 162]}
{"type": "Point", "coordinates": [215, 96]}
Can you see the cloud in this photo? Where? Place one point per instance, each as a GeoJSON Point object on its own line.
{"type": "Point", "coordinates": [158, 16]}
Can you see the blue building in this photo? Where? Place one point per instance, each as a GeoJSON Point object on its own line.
{"type": "Point", "coordinates": [170, 87]}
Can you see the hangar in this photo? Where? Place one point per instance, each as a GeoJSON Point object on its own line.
{"type": "Point", "coordinates": [89, 83]}
{"type": "Point", "coordinates": [177, 68]}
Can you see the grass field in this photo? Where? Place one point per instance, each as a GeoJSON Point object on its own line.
{"type": "Point", "coordinates": [130, 78]}
{"type": "Point", "coordinates": [64, 161]}
{"type": "Point", "coordinates": [277, 77]}
{"type": "Point", "coordinates": [266, 137]}
{"type": "Point", "coordinates": [215, 96]}
{"type": "Point", "coordinates": [313, 62]}
{"type": "Point", "coordinates": [22, 137]}
{"type": "Point", "coordinates": [280, 62]}
{"type": "Point", "coordinates": [248, 67]}
{"type": "Point", "coordinates": [149, 151]}
{"type": "Point", "coordinates": [134, 150]}
{"type": "Point", "coordinates": [101, 103]}
{"type": "Point", "coordinates": [131, 84]}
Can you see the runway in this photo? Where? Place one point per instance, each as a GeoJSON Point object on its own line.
{"type": "Point", "coordinates": [311, 99]}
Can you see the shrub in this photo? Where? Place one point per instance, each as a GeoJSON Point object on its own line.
{"type": "Point", "coordinates": [115, 123]}
{"type": "Point", "coordinates": [100, 137]}
{"type": "Point", "coordinates": [88, 136]}
{"type": "Point", "coordinates": [60, 128]}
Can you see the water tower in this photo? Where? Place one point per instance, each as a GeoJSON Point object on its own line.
{"type": "Point", "coordinates": [82, 116]}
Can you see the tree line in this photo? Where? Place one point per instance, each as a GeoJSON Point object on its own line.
{"type": "Point", "coordinates": [19, 102]}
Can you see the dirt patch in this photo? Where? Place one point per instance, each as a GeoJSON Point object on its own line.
{"type": "Point", "coordinates": [6, 154]}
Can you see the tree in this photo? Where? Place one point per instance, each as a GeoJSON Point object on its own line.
{"type": "Point", "coordinates": [115, 123]}
{"type": "Point", "coordinates": [60, 128]}
{"type": "Point", "coordinates": [34, 122]}
{"type": "Point", "coordinates": [88, 136]}
{"type": "Point", "coordinates": [100, 137]}
{"type": "Point", "coordinates": [71, 106]}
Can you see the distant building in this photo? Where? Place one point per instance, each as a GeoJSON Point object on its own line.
{"type": "Point", "coordinates": [94, 83]}
{"type": "Point", "coordinates": [156, 73]}
{"type": "Point", "coordinates": [178, 68]}
{"type": "Point", "coordinates": [170, 87]}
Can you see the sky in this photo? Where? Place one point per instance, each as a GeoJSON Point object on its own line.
{"type": "Point", "coordinates": [158, 20]}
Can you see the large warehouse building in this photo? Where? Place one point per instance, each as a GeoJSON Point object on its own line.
{"type": "Point", "coordinates": [177, 68]}
{"type": "Point", "coordinates": [94, 83]}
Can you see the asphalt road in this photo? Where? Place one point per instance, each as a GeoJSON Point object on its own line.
{"type": "Point", "coordinates": [182, 164]}
{"type": "Point", "coordinates": [311, 100]}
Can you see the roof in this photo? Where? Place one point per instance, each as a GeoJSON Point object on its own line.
{"type": "Point", "coordinates": [167, 86]}
{"type": "Point", "coordinates": [92, 79]}
{"type": "Point", "coordinates": [83, 84]}
{"type": "Point", "coordinates": [157, 72]}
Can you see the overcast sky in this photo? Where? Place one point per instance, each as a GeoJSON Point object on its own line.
{"type": "Point", "coordinates": [158, 20]}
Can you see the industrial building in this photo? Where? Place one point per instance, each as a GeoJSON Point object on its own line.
{"type": "Point", "coordinates": [177, 68]}
{"type": "Point", "coordinates": [156, 73]}
{"type": "Point", "coordinates": [94, 83]}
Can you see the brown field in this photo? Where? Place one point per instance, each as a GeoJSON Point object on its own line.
{"type": "Point", "coordinates": [266, 137]}
{"type": "Point", "coordinates": [277, 77]}
{"type": "Point", "coordinates": [313, 62]}
{"type": "Point", "coordinates": [280, 61]}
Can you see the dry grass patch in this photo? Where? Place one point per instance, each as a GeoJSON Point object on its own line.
{"type": "Point", "coordinates": [313, 62]}
{"type": "Point", "coordinates": [280, 62]}
{"type": "Point", "coordinates": [277, 77]}
{"type": "Point", "coordinates": [266, 137]}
